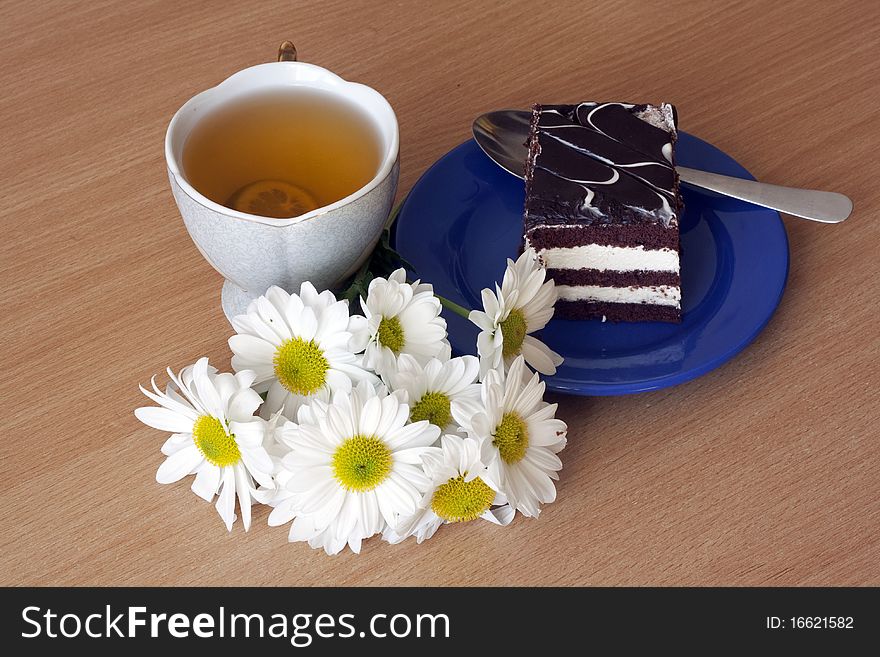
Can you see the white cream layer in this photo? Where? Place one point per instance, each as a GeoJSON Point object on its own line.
{"type": "Point", "coordinates": [659, 295]}
{"type": "Point", "coordinates": [610, 258]}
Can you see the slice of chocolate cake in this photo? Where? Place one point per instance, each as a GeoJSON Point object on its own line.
{"type": "Point", "coordinates": [602, 209]}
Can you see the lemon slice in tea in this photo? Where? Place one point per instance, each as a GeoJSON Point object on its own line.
{"type": "Point", "coordinates": [273, 198]}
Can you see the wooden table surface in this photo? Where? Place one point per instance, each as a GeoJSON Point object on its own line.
{"type": "Point", "coordinates": [765, 471]}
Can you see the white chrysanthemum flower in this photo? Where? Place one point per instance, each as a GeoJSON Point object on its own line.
{"type": "Point", "coordinates": [522, 305]}
{"type": "Point", "coordinates": [461, 490]}
{"type": "Point", "coordinates": [520, 437]}
{"type": "Point", "coordinates": [216, 436]}
{"type": "Point", "coordinates": [301, 346]}
{"type": "Point", "coordinates": [354, 465]}
{"type": "Point", "coordinates": [435, 389]}
{"type": "Point", "coordinates": [402, 318]}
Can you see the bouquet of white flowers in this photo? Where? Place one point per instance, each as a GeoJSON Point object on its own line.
{"type": "Point", "coordinates": [352, 426]}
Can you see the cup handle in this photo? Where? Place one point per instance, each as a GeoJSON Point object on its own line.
{"type": "Point", "coordinates": [287, 52]}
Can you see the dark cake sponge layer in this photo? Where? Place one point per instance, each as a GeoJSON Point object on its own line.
{"type": "Point", "coordinates": [607, 278]}
{"type": "Point", "coordinates": [617, 312]}
{"type": "Point", "coordinates": [651, 236]}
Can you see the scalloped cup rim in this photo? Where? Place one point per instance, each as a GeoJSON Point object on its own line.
{"type": "Point", "coordinates": [294, 74]}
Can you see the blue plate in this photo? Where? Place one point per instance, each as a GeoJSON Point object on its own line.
{"type": "Point", "coordinates": [463, 218]}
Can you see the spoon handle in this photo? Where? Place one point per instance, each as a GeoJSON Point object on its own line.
{"type": "Point", "coordinates": [825, 207]}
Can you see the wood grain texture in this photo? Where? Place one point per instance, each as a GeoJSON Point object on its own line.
{"type": "Point", "coordinates": [766, 471]}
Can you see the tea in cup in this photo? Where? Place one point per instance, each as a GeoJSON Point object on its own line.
{"type": "Point", "coordinates": [284, 172]}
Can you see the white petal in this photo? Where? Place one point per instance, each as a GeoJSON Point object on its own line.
{"type": "Point", "coordinates": [541, 483]}
{"type": "Point", "coordinates": [250, 348]}
{"type": "Point", "coordinates": [302, 529]}
{"type": "Point", "coordinates": [540, 309]}
{"type": "Point", "coordinates": [175, 442]}
{"type": "Point", "coordinates": [307, 479]}
{"type": "Point", "coordinates": [226, 501]}
{"type": "Point", "coordinates": [544, 459]}
{"type": "Point", "coordinates": [206, 390]}
{"type": "Point", "coordinates": [282, 514]}
{"type": "Point", "coordinates": [249, 434]}
{"type": "Point", "coordinates": [502, 515]}
{"type": "Point", "coordinates": [226, 386]}
{"type": "Point", "coordinates": [324, 498]}
{"type": "Point", "coordinates": [178, 465]}
{"type": "Point", "coordinates": [540, 356]}
{"type": "Point", "coordinates": [370, 516]}
{"type": "Point", "coordinates": [243, 490]}
{"type": "Point", "coordinates": [523, 491]}
{"type": "Point", "coordinates": [341, 424]}
{"type": "Point", "coordinates": [394, 415]}
{"type": "Point", "coordinates": [273, 318]}
{"type": "Point", "coordinates": [308, 324]}
{"type": "Point", "coordinates": [370, 416]}
{"type": "Point", "coordinates": [168, 402]}
{"type": "Point", "coordinates": [349, 512]}
{"type": "Point", "coordinates": [529, 397]}
{"type": "Point", "coordinates": [309, 294]}
{"type": "Point", "coordinates": [276, 400]}
{"type": "Point", "coordinates": [243, 404]}
{"type": "Point", "coordinates": [254, 323]}
{"type": "Point", "coordinates": [490, 304]}
{"type": "Point", "coordinates": [164, 420]}
{"type": "Point", "coordinates": [258, 463]}
{"type": "Point", "coordinates": [482, 320]}
{"type": "Point", "coordinates": [389, 502]}
{"type": "Point", "coordinates": [414, 455]}
{"type": "Point", "coordinates": [278, 296]}
{"type": "Point", "coordinates": [360, 333]}
{"type": "Point", "coordinates": [207, 481]}
{"type": "Point", "coordinates": [417, 434]}
{"type": "Point", "coordinates": [245, 378]}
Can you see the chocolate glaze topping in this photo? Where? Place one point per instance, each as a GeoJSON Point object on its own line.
{"type": "Point", "coordinates": [600, 163]}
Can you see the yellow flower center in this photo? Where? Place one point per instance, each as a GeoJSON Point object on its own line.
{"type": "Point", "coordinates": [513, 330]}
{"type": "Point", "coordinates": [300, 366]}
{"type": "Point", "coordinates": [511, 438]}
{"type": "Point", "coordinates": [391, 334]}
{"type": "Point", "coordinates": [459, 501]}
{"type": "Point", "coordinates": [214, 442]}
{"type": "Point", "coordinates": [361, 463]}
{"type": "Point", "coordinates": [433, 407]}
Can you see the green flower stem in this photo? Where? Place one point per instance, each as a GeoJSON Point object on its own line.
{"type": "Point", "coordinates": [454, 307]}
{"type": "Point", "coordinates": [359, 284]}
{"type": "Point", "coordinates": [451, 305]}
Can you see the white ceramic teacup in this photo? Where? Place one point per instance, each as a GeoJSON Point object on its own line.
{"type": "Point", "coordinates": [324, 246]}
